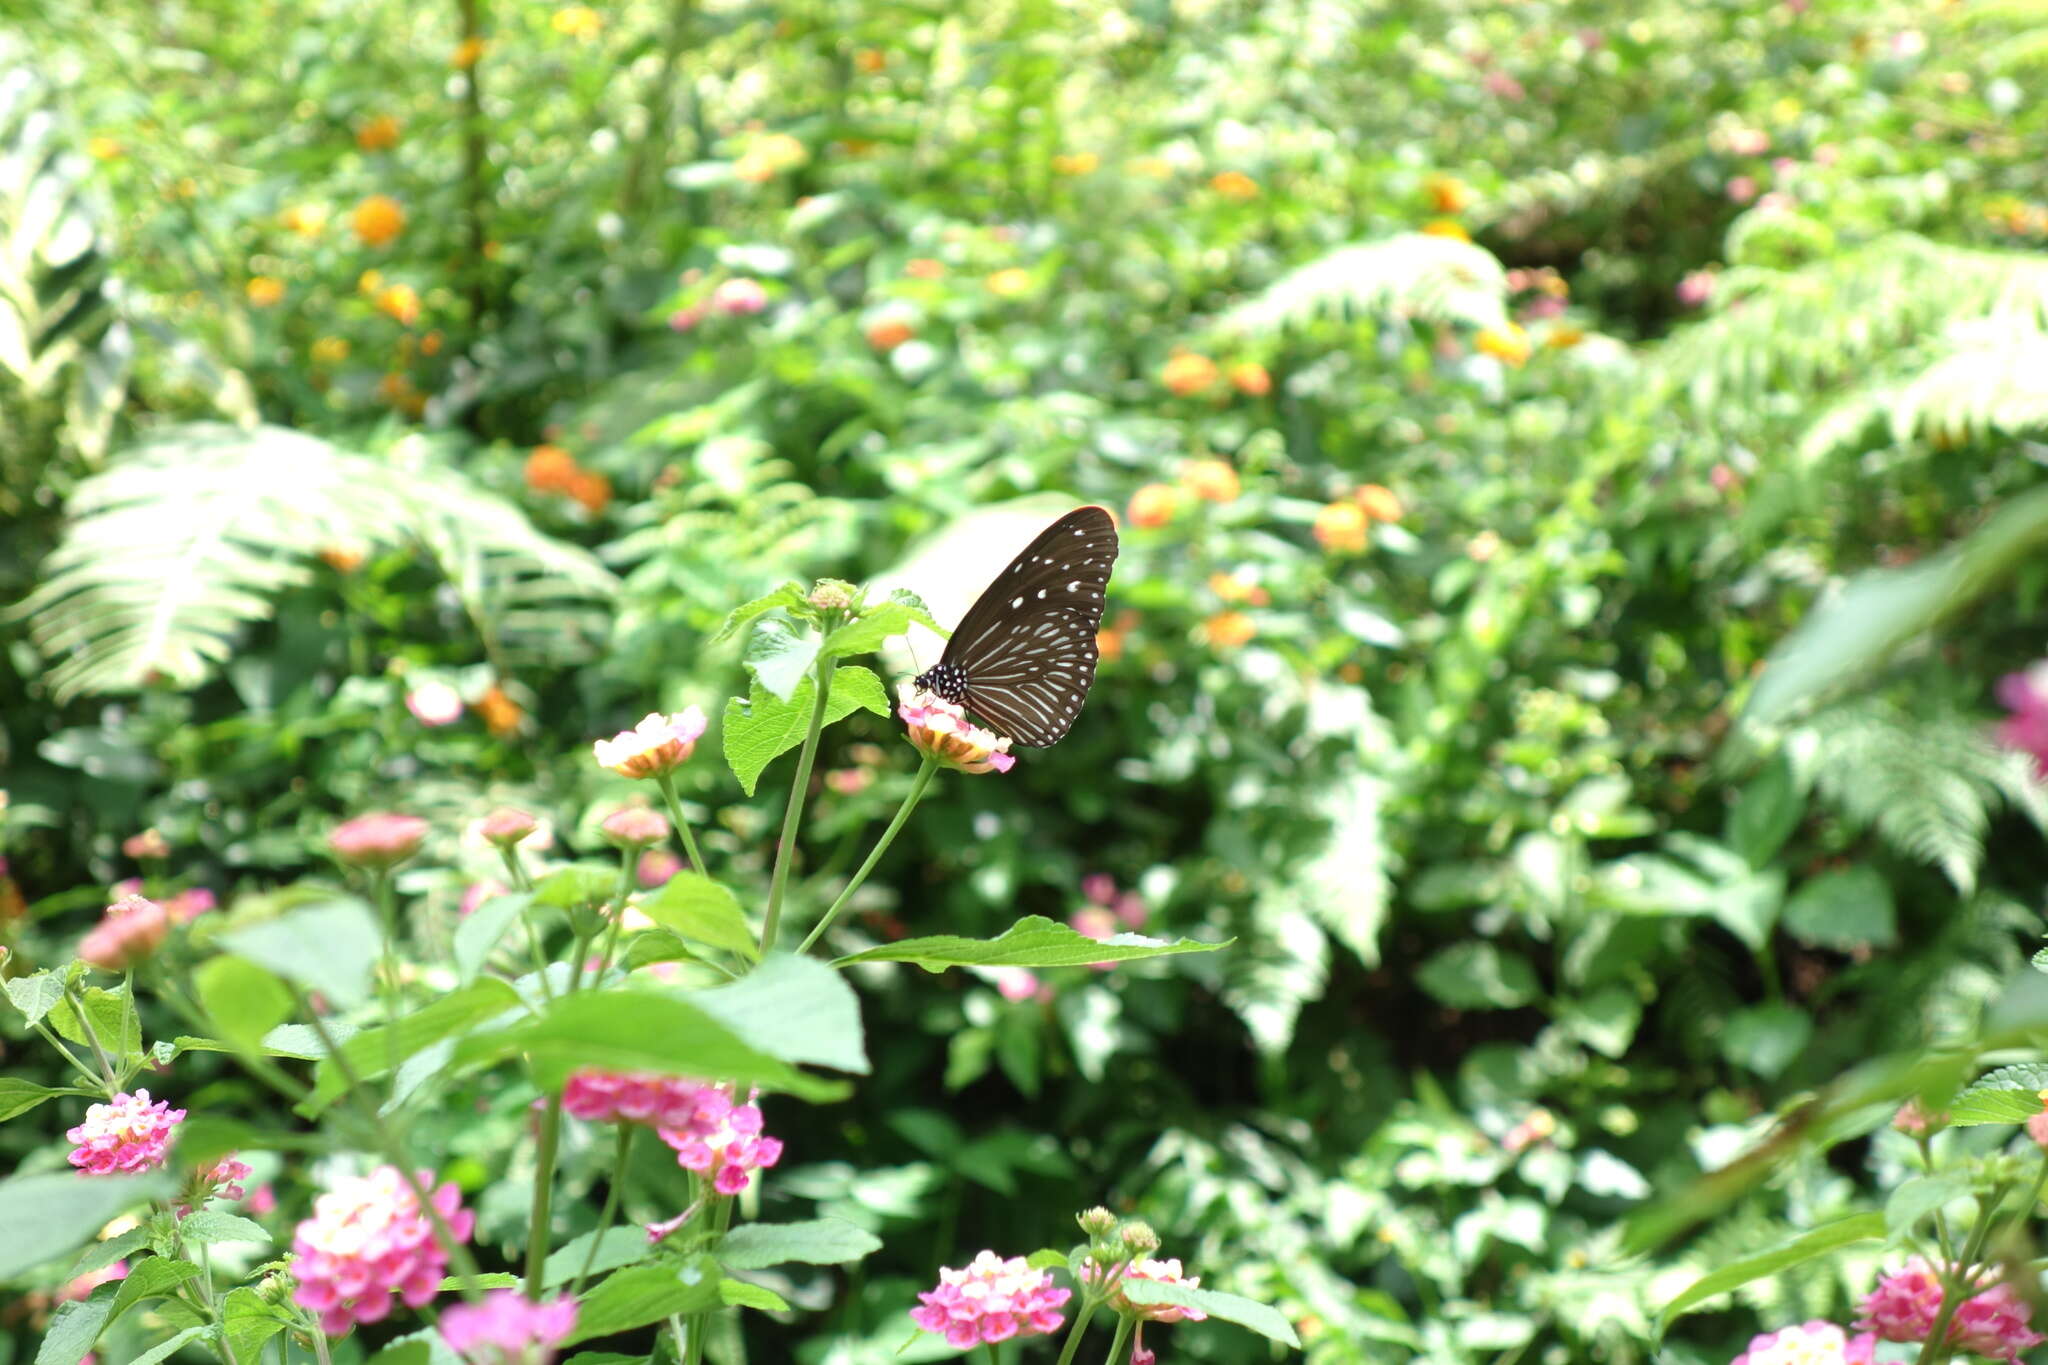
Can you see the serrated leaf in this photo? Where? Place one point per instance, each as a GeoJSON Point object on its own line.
{"type": "Point", "coordinates": [249, 1322]}
{"type": "Point", "coordinates": [35, 996]}
{"type": "Point", "coordinates": [113, 1018]}
{"type": "Point", "coordinates": [619, 1246]}
{"type": "Point", "coordinates": [1479, 976]}
{"type": "Point", "coordinates": [102, 1254]}
{"type": "Point", "coordinates": [795, 1008]}
{"type": "Point", "coordinates": [703, 911]}
{"type": "Point", "coordinates": [865, 635]}
{"type": "Point", "coordinates": [2011, 1094]}
{"type": "Point", "coordinates": [822, 1241]}
{"type": "Point", "coordinates": [1914, 1199]}
{"type": "Point", "coordinates": [740, 1294]}
{"type": "Point", "coordinates": [151, 1278]}
{"type": "Point", "coordinates": [780, 658]}
{"type": "Point", "coordinates": [243, 1000]}
{"type": "Point", "coordinates": [477, 937]}
{"type": "Point", "coordinates": [1033, 941]}
{"type": "Point", "coordinates": [330, 947]}
{"type": "Point", "coordinates": [50, 1213]}
{"type": "Point", "coordinates": [789, 595]}
{"type": "Point", "coordinates": [1248, 1313]}
{"type": "Point", "coordinates": [75, 1326]}
{"type": "Point", "coordinates": [764, 727]}
{"type": "Point", "coordinates": [207, 1226]}
{"type": "Point", "coordinates": [164, 1350]}
{"type": "Point", "coordinates": [642, 1294]}
{"type": "Point", "coordinates": [1807, 1246]}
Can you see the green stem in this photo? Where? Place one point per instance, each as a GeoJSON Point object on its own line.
{"type": "Point", "coordinates": [993, 1359]}
{"type": "Point", "coordinates": [620, 1155]}
{"type": "Point", "coordinates": [320, 1347]}
{"type": "Point", "coordinates": [1120, 1348]}
{"type": "Point", "coordinates": [628, 857]}
{"type": "Point", "coordinates": [667, 783]}
{"type": "Point", "coordinates": [917, 786]}
{"type": "Point", "coordinates": [258, 1066]}
{"type": "Point", "coordinates": [1955, 1287]}
{"type": "Point", "coordinates": [394, 1004]}
{"type": "Point", "coordinates": [92, 1038]}
{"type": "Point", "coordinates": [1088, 1307]}
{"type": "Point", "coordinates": [543, 1193]}
{"type": "Point", "coordinates": [68, 1055]}
{"type": "Point", "coordinates": [785, 851]}
{"type": "Point", "coordinates": [516, 870]}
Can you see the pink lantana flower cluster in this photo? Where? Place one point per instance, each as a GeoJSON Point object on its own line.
{"type": "Point", "coordinates": [656, 747]}
{"type": "Point", "coordinates": [367, 1240]}
{"type": "Point", "coordinates": [1810, 1343]}
{"type": "Point", "coordinates": [221, 1180]}
{"type": "Point", "coordinates": [129, 1133]}
{"type": "Point", "coordinates": [991, 1299]}
{"type": "Point", "coordinates": [133, 928]}
{"type": "Point", "coordinates": [1992, 1322]}
{"type": "Point", "coordinates": [632, 1097]}
{"type": "Point", "coordinates": [508, 1329]}
{"type": "Point", "coordinates": [722, 1141]}
{"type": "Point", "coordinates": [940, 728]}
{"type": "Point", "coordinates": [2026, 729]}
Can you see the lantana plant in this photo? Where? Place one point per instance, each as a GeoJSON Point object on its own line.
{"type": "Point", "coordinates": [661, 1009]}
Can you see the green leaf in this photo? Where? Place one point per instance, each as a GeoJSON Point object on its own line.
{"type": "Point", "coordinates": [1048, 1259]}
{"type": "Point", "coordinates": [577, 884]}
{"type": "Point", "coordinates": [1807, 1246]}
{"type": "Point", "coordinates": [18, 1096]}
{"type": "Point", "coordinates": [1768, 811]}
{"type": "Point", "coordinates": [35, 996]}
{"type": "Point", "coordinates": [1766, 1038]}
{"type": "Point", "coordinates": [101, 1254]}
{"type": "Point", "coordinates": [1479, 976]}
{"type": "Point", "coordinates": [207, 1226]}
{"type": "Point", "coordinates": [740, 1294]}
{"type": "Point", "coordinates": [151, 1278]}
{"type": "Point", "coordinates": [703, 911]}
{"type": "Point", "coordinates": [303, 1040]}
{"type": "Point", "coordinates": [780, 657]}
{"type": "Point", "coordinates": [48, 1214]}
{"type": "Point", "coordinates": [606, 1358]}
{"type": "Point", "coordinates": [164, 1350]}
{"type": "Point", "coordinates": [1033, 941]}
{"type": "Point", "coordinates": [371, 1052]}
{"type": "Point", "coordinates": [865, 635]}
{"type": "Point", "coordinates": [760, 729]}
{"type": "Point", "coordinates": [478, 934]}
{"type": "Point", "coordinates": [631, 1030]}
{"type": "Point", "coordinates": [113, 1018]}
{"type": "Point", "coordinates": [1914, 1199]}
{"type": "Point", "coordinates": [1845, 909]}
{"type": "Point", "coordinates": [642, 1294]}
{"type": "Point", "coordinates": [1249, 1313]}
{"type": "Point", "coordinates": [654, 945]}
{"type": "Point", "coordinates": [330, 947]}
{"type": "Point", "coordinates": [75, 1326]}
{"type": "Point", "coordinates": [788, 596]}
{"type": "Point", "coordinates": [242, 999]}
{"type": "Point", "coordinates": [250, 1322]}
{"type": "Point", "coordinates": [620, 1246]}
{"type": "Point", "coordinates": [404, 1353]}
{"type": "Point", "coordinates": [822, 1241]}
{"type": "Point", "coordinates": [492, 1279]}
{"type": "Point", "coordinates": [2011, 1094]}
{"type": "Point", "coordinates": [795, 1008]}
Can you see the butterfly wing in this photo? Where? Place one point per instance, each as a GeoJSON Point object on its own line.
{"type": "Point", "coordinates": [1027, 646]}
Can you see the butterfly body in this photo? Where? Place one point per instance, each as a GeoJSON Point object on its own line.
{"type": "Point", "coordinates": [1024, 656]}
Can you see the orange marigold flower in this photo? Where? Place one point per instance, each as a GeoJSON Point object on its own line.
{"type": "Point", "coordinates": [378, 134]}
{"type": "Point", "coordinates": [1154, 504]}
{"type": "Point", "coordinates": [1187, 373]}
{"type": "Point", "coordinates": [378, 219]}
{"type": "Point", "coordinates": [592, 489]}
{"type": "Point", "coordinates": [925, 268]}
{"type": "Point", "coordinates": [264, 291]}
{"type": "Point", "coordinates": [1447, 193]}
{"type": "Point", "coordinates": [103, 148]}
{"type": "Point", "coordinates": [1341, 528]}
{"type": "Point", "coordinates": [1076, 163]}
{"type": "Point", "coordinates": [870, 59]}
{"type": "Point", "coordinates": [886, 334]}
{"type": "Point", "coordinates": [1234, 185]}
{"type": "Point", "coordinates": [1210, 480]}
{"type": "Point", "coordinates": [1509, 344]}
{"type": "Point", "coordinates": [1229, 630]}
{"type": "Point", "coordinates": [400, 302]}
{"type": "Point", "coordinates": [577, 21]}
{"type": "Point", "coordinates": [1447, 227]}
{"type": "Point", "coordinates": [1378, 502]}
{"type": "Point", "coordinates": [550, 469]}
{"type": "Point", "coordinates": [1011, 283]}
{"type": "Point", "coordinates": [308, 220]}
{"type": "Point", "coordinates": [1249, 377]}
{"type": "Point", "coordinates": [466, 53]}
{"type": "Point", "coordinates": [500, 713]}
{"type": "Point", "coordinates": [330, 350]}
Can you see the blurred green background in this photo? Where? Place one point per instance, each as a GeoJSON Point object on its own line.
{"type": "Point", "coordinates": [1487, 391]}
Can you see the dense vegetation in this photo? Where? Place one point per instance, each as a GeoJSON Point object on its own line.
{"type": "Point", "coordinates": [1580, 473]}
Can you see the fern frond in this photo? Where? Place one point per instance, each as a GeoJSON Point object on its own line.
{"type": "Point", "coordinates": [1987, 377]}
{"type": "Point", "coordinates": [1413, 275]}
{"type": "Point", "coordinates": [177, 547]}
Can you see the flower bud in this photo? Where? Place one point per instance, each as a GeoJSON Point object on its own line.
{"type": "Point", "coordinates": [506, 826]}
{"type": "Point", "coordinates": [377, 840]}
{"type": "Point", "coordinates": [1096, 1221]}
{"type": "Point", "coordinates": [1139, 1237]}
{"type": "Point", "coordinates": [832, 594]}
{"type": "Point", "coordinates": [635, 827]}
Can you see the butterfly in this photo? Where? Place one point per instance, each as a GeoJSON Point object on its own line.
{"type": "Point", "coordinates": [1023, 657]}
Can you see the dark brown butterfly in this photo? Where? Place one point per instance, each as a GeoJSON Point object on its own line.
{"type": "Point", "coordinates": [1024, 656]}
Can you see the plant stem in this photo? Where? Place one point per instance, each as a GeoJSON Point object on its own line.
{"type": "Point", "coordinates": [394, 1004]}
{"type": "Point", "coordinates": [667, 783]}
{"type": "Point", "coordinates": [785, 851]}
{"type": "Point", "coordinates": [1088, 1307]}
{"type": "Point", "coordinates": [92, 1037]}
{"type": "Point", "coordinates": [628, 857]}
{"type": "Point", "coordinates": [1120, 1348]}
{"type": "Point", "coordinates": [516, 870]}
{"type": "Point", "coordinates": [620, 1154]}
{"type": "Point", "coordinates": [917, 786]}
{"type": "Point", "coordinates": [543, 1192]}
{"type": "Point", "coordinates": [68, 1055]}
{"type": "Point", "coordinates": [1955, 1277]}
{"type": "Point", "coordinates": [721, 1219]}
{"type": "Point", "coordinates": [320, 1347]}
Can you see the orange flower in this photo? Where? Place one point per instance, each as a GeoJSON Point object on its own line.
{"type": "Point", "coordinates": [430, 344]}
{"type": "Point", "coordinates": [1154, 504]}
{"type": "Point", "coordinates": [550, 469]}
{"type": "Point", "coordinates": [577, 21]}
{"type": "Point", "coordinates": [1378, 502]}
{"type": "Point", "coordinates": [1229, 630]}
{"type": "Point", "coordinates": [1447, 193]}
{"type": "Point", "coordinates": [1109, 645]}
{"type": "Point", "coordinates": [308, 220]}
{"type": "Point", "coordinates": [264, 291]}
{"type": "Point", "coordinates": [592, 489]}
{"type": "Point", "coordinates": [344, 558]}
{"type": "Point", "coordinates": [1510, 344]}
{"type": "Point", "coordinates": [1249, 377]}
{"type": "Point", "coordinates": [330, 350]}
{"type": "Point", "coordinates": [925, 268]}
{"type": "Point", "coordinates": [104, 148]}
{"type": "Point", "coordinates": [886, 334]}
{"type": "Point", "coordinates": [378, 134]}
{"type": "Point", "coordinates": [1447, 227]}
{"type": "Point", "coordinates": [378, 219]}
{"type": "Point", "coordinates": [1210, 480]}
{"type": "Point", "coordinates": [1234, 185]}
{"type": "Point", "coordinates": [1187, 374]}
{"type": "Point", "coordinates": [466, 53]}
{"type": "Point", "coordinates": [1232, 588]}
{"type": "Point", "coordinates": [397, 389]}
{"type": "Point", "coordinates": [1564, 336]}
{"type": "Point", "coordinates": [399, 302]}
{"type": "Point", "coordinates": [1341, 528]}
{"type": "Point", "coordinates": [501, 714]}
{"type": "Point", "coordinates": [1076, 163]}
{"type": "Point", "coordinates": [1012, 283]}
{"type": "Point", "coordinates": [870, 59]}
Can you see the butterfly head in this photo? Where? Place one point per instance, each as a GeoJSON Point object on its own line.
{"type": "Point", "coordinates": [943, 680]}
